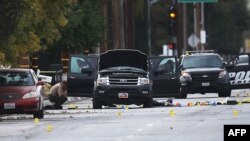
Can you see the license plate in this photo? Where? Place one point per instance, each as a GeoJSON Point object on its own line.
{"type": "Point", "coordinates": [123, 95]}
{"type": "Point", "coordinates": [9, 105]}
{"type": "Point", "coordinates": [205, 84]}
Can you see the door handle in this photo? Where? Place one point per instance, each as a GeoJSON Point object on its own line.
{"type": "Point", "coordinates": [72, 77]}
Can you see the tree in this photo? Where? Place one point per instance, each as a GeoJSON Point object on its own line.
{"type": "Point", "coordinates": [84, 28]}
{"type": "Point", "coordinates": [27, 26]}
{"type": "Point", "coordinates": [226, 22]}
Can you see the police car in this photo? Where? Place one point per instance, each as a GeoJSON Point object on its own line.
{"type": "Point", "coordinates": [203, 72]}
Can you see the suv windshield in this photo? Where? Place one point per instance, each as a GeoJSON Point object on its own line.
{"type": "Point", "coordinates": [202, 61]}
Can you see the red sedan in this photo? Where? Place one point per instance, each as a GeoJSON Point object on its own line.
{"type": "Point", "coordinates": [21, 92]}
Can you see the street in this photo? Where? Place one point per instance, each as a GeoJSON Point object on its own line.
{"type": "Point", "coordinates": [175, 123]}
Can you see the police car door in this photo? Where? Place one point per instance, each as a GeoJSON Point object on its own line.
{"type": "Point", "coordinates": [163, 73]}
{"type": "Point", "coordinates": [239, 72]}
{"type": "Point", "coordinates": [81, 75]}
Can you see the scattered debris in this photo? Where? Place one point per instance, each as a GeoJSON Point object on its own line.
{"type": "Point", "coordinates": [232, 102]}
{"type": "Point", "coordinates": [72, 106]}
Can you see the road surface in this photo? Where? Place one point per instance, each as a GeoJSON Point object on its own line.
{"type": "Point", "coordinates": [133, 123]}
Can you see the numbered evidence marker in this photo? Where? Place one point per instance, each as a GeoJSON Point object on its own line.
{"type": "Point", "coordinates": [171, 113]}
{"type": "Point", "coordinates": [235, 113]}
{"type": "Point", "coordinates": [36, 120]}
{"type": "Point", "coordinates": [49, 128]}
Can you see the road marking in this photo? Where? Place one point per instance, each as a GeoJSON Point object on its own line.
{"type": "Point", "coordinates": [140, 129]}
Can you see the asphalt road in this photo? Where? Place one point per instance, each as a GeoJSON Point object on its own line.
{"type": "Point", "coordinates": [133, 123]}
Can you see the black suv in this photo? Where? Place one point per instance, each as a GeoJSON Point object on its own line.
{"type": "Point", "coordinates": [203, 72]}
{"type": "Point", "coordinates": [122, 78]}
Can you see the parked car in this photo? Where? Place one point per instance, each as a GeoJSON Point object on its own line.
{"type": "Point", "coordinates": [21, 92]}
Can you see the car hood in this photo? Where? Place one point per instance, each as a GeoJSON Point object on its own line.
{"type": "Point", "coordinates": [123, 57]}
{"type": "Point", "coordinates": [16, 89]}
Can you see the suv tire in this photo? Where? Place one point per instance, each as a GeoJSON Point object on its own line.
{"type": "Point", "coordinates": [97, 104]}
{"type": "Point", "coordinates": [148, 104]}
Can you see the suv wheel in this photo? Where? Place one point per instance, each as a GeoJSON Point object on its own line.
{"type": "Point", "coordinates": [183, 93]}
{"type": "Point", "coordinates": [97, 104]}
{"type": "Point", "coordinates": [226, 93]}
{"type": "Point", "coordinates": [148, 104]}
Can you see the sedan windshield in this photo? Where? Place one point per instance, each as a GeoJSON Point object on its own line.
{"type": "Point", "coordinates": [202, 62]}
{"type": "Point", "coordinates": [16, 79]}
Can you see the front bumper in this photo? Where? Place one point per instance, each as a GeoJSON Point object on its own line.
{"type": "Point", "coordinates": [110, 94]}
{"type": "Point", "coordinates": [205, 86]}
{"type": "Point", "coordinates": [26, 106]}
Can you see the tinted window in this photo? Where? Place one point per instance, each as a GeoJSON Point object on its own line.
{"type": "Point", "coordinates": [168, 64]}
{"type": "Point", "coordinates": [243, 60]}
{"type": "Point", "coordinates": [77, 63]}
{"type": "Point", "coordinates": [16, 79]}
{"type": "Point", "coordinates": [202, 61]}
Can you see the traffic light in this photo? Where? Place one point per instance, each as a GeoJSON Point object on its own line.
{"type": "Point", "coordinates": [172, 19]}
{"type": "Point", "coordinates": [171, 46]}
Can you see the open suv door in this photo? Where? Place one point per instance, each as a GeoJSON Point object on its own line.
{"type": "Point", "coordinates": [239, 72]}
{"type": "Point", "coordinates": [164, 74]}
{"type": "Point", "coordinates": [81, 75]}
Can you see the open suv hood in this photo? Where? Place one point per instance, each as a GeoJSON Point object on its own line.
{"type": "Point", "coordinates": [123, 57]}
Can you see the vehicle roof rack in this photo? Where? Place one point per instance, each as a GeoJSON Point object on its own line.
{"type": "Point", "coordinates": [200, 51]}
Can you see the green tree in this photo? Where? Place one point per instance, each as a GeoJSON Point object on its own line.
{"type": "Point", "coordinates": [226, 21]}
{"type": "Point", "coordinates": [29, 25]}
{"type": "Point", "coordinates": [85, 27]}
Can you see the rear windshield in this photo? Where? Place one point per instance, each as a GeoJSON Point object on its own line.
{"type": "Point", "coordinates": [202, 61]}
{"type": "Point", "coordinates": [16, 79]}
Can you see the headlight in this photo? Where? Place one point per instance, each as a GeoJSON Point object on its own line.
{"type": "Point", "coordinates": [143, 81]}
{"type": "Point", "coordinates": [186, 75]}
{"type": "Point", "coordinates": [222, 74]}
{"type": "Point", "coordinates": [102, 81]}
{"type": "Point", "coordinates": [30, 95]}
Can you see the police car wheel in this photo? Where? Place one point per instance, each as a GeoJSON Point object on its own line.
{"type": "Point", "coordinates": [226, 93]}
